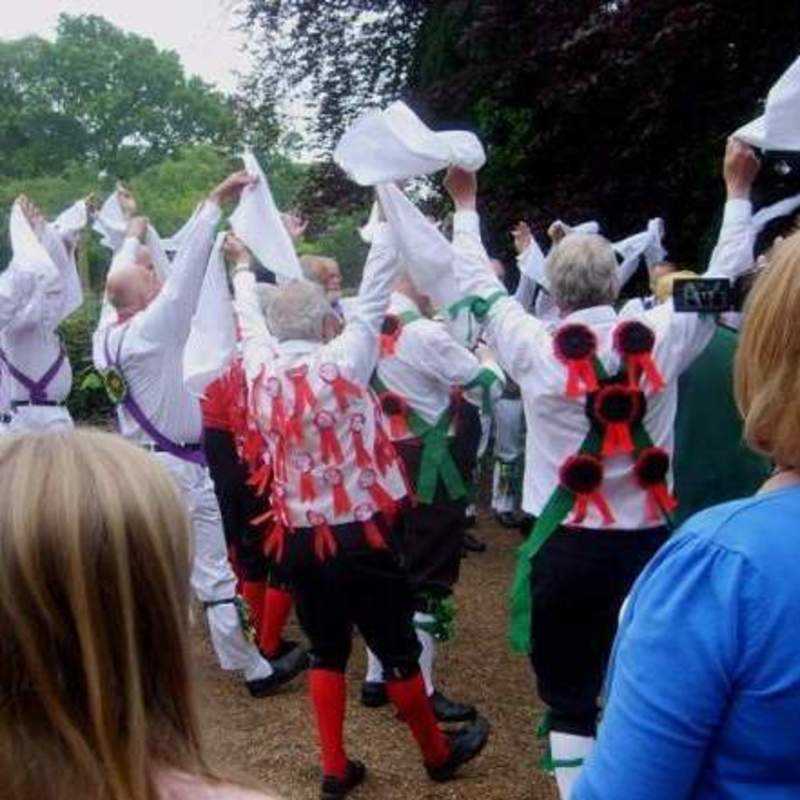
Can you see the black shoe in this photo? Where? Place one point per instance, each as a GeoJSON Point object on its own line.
{"type": "Point", "coordinates": [447, 710]}
{"type": "Point", "coordinates": [471, 521]}
{"type": "Point", "coordinates": [508, 520]}
{"type": "Point", "coordinates": [284, 670]}
{"type": "Point", "coordinates": [286, 647]}
{"type": "Point", "coordinates": [334, 788]}
{"type": "Point", "coordinates": [473, 544]}
{"type": "Point", "coordinates": [374, 694]}
{"type": "Point", "coordinates": [466, 744]}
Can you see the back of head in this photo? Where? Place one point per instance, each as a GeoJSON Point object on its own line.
{"type": "Point", "coordinates": [94, 593]}
{"type": "Point", "coordinates": [768, 358]}
{"type": "Point", "coordinates": [583, 272]}
{"type": "Point", "coordinates": [298, 310]}
{"type": "Point", "coordinates": [666, 281]}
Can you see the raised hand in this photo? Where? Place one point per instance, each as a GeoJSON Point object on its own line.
{"type": "Point", "coordinates": [232, 187]}
{"type": "Point", "coordinates": [462, 186]}
{"type": "Point", "coordinates": [522, 236]}
{"type": "Point", "coordinates": [295, 225]}
{"type": "Point", "coordinates": [235, 251]}
{"type": "Point", "coordinates": [740, 168]}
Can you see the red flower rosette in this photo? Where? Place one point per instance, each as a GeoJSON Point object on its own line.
{"type": "Point", "coordinates": [575, 346]}
{"type": "Point", "coordinates": [330, 449]}
{"type": "Point", "coordinates": [365, 514]}
{"type": "Point", "coordinates": [324, 541]}
{"type": "Point", "coordinates": [391, 329]}
{"type": "Point", "coordinates": [651, 470]}
{"type": "Point", "coordinates": [368, 482]}
{"type": "Point", "coordinates": [342, 389]}
{"type": "Point", "coordinates": [395, 408]}
{"type": "Point", "coordinates": [634, 341]}
{"type": "Point", "coordinates": [357, 423]}
{"type": "Point", "coordinates": [303, 398]}
{"type": "Point", "coordinates": [341, 500]}
{"type": "Point", "coordinates": [616, 407]}
{"type": "Point", "coordinates": [583, 476]}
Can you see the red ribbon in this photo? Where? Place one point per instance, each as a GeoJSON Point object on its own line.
{"type": "Point", "coordinates": [252, 447]}
{"type": "Point", "coordinates": [362, 455]}
{"type": "Point", "coordinates": [342, 388]}
{"type": "Point", "coordinates": [275, 543]}
{"type": "Point", "coordinates": [381, 497]}
{"type": "Point", "coordinates": [617, 439]}
{"type": "Point", "coordinates": [324, 541]}
{"type": "Point", "coordinates": [341, 500]}
{"type": "Point", "coordinates": [330, 448]}
{"type": "Point", "coordinates": [278, 418]}
{"type": "Point", "coordinates": [659, 501]}
{"type": "Point", "coordinates": [259, 479]}
{"type": "Point", "coordinates": [582, 507]}
{"type": "Point", "coordinates": [303, 396]}
{"type": "Point", "coordinates": [642, 363]}
{"type": "Point", "coordinates": [308, 492]}
{"type": "Point", "coordinates": [374, 536]}
{"type": "Point", "coordinates": [385, 453]}
{"type": "Point", "coordinates": [580, 373]}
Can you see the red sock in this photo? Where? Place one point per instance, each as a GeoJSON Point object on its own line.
{"type": "Point", "coordinates": [414, 707]}
{"type": "Point", "coordinates": [328, 696]}
{"type": "Point", "coordinates": [253, 593]}
{"type": "Point", "coordinates": [277, 606]}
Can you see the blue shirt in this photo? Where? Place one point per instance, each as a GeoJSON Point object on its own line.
{"type": "Point", "coordinates": [704, 682]}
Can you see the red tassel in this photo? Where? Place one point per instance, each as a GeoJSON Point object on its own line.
{"type": "Point", "coordinates": [259, 479]}
{"type": "Point", "coordinates": [642, 363]}
{"type": "Point", "coordinates": [659, 502]}
{"type": "Point", "coordinates": [362, 456]}
{"type": "Point", "coordinates": [617, 439]}
{"type": "Point", "coordinates": [330, 448]}
{"type": "Point", "coordinates": [308, 492]}
{"type": "Point", "coordinates": [385, 454]}
{"type": "Point", "coordinates": [303, 396]}
{"type": "Point", "coordinates": [373, 535]}
{"type": "Point", "coordinates": [324, 541]}
{"type": "Point", "coordinates": [382, 499]}
{"type": "Point", "coordinates": [275, 543]}
{"type": "Point", "coordinates": [341, 500]}
{"type": "Point", "coordinates": [342, 389]}
{"type": "Point", "coordinates": [581, 377]}
{"type": "Point", "coordinates": [253, 447]}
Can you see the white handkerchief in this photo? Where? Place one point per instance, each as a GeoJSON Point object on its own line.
{"type": "Point", "coordinates": [28, 253]}
{"type": "Point", "coordinates": [531, 263]}
{"type": "Point", "coordinates": [176, 241]}
{"type": "Point", "coordinates": [394, 144]}
{"type": "Point", "coordinates": [779, 127]}
{"type": "Point", "coordinates": [72, 221]}
{"type": "Point", "coordinates": [257, 222]}
{"type": "Point", "coordinates": [427, 255]}
{"type": "Point", "coordinates": [648, 243]}
{"type": "Point", "coordinates": [212, 340]}
{"type": "Point", "coordinates": [779, 209]}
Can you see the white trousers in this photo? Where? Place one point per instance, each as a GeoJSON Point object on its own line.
{"type": "Point", "coordinates": [509, 446]}
{"type": "Point", "coordinates": [40, 419]}
{"type": "Point", "coordinates": [212, 576]}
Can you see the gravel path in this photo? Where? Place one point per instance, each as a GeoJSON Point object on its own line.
{"type": "Point", "coordinates": [271, 742]}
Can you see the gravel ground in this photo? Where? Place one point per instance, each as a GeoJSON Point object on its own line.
{"type": "Point", "coordinates": [271, 743]}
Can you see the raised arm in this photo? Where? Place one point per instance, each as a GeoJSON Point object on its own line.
{"type": "Point", "coordinates": [515, 337]}
{"type": "Point", "coordinates": [357, 345]}
{"type": "Point", "coordinates": [16, 289]}
{"type": "Point", "coordinates": [169, 315]}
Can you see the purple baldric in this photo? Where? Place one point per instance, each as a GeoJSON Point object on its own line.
{"type": "Point", "coordinates": [37, 390]}
{"type": "Point", "coordinates": [137, 413]}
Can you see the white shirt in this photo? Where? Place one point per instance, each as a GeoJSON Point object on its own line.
{"type": "Point", "coordinates": [557, 425]}
{"type": "Point", "coordinates": [29, 340]}
{"type": "Point", "coordinates": [152, 350]}
{"type": "Point", "coordinates": [427, 364]}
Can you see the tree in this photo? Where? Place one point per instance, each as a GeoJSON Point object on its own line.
{"type": "Point", "coordinates": [97, 93]}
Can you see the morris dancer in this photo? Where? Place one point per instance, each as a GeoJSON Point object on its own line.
{"type": "Point", "coordinates": [33, 360]}
{"type": "Point", "coordinates": [600, 394]}
{"type": "Point", "coordinates": [141, 359]}
{"type": "Point", "coordinates": [420, 366]}
{"type": "Point", "coordinates": [337, 496]}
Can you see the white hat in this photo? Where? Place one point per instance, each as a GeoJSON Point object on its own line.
{"type": "Point", "coordinates": [394, 144]}
{"type": "Point", "coordinates": [779, 127]}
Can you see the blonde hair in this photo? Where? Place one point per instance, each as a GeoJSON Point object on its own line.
{"type": "Point", "coordinates": [767, 379]}
{"type": "Point", "coordinates": [94, 597]}
{"type": "Point", "coordinates": [664, 284]}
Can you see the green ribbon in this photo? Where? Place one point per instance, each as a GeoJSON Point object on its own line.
{"type": "Point", "coordinates": [443, 611]}
{"type": "Point", "coordinates": [476, 305]}
{"type": "Point", "coordinates": [486, 378]}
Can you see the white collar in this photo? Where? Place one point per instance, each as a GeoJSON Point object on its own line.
{"type": "Point", "coordinates": [293, 347]}
{"type": "Point", "coordinates": [596, 315]}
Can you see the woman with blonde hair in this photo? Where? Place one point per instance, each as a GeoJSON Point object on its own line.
{"type": "Point", "coordinates": [704, 685]}
{"type": "Point", "coordinates": [96, 695]}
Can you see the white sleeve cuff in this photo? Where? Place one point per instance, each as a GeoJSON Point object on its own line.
{"type": "Point", "coordinates": [738, 211]}
{"type": "Point", "coordinates": [466, 221]}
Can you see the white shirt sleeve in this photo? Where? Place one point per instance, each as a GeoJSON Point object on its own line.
{"type": "Point", "coordinates": [16, 290]}
{"type": "Point", "coordinates": [734, 253]}
{"type": "Point", "coordinates": [258, 344]}
{"type": "Point", "coordinates": [357, 345]}
{"type": "Point", "coordinates": [170, 314]}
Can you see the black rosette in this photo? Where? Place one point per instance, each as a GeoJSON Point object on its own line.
{"type": "Point", "coordinates": [582, 474]}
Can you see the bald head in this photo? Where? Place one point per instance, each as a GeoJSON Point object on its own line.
{"type": "Point", "coordinates": [131, 286]}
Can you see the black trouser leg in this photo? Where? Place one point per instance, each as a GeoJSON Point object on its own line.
{"type": "Point", "coordinates": [579, 581]}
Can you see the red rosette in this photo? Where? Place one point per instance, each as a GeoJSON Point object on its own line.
{"type": "Point", "coordinates": [330, 448]}
{"type": "Point", "coordinates": [651, 470]}
{"type": "Point", "coordinates": [341, 500]}
{"type": "Point", "coordinates": [635, 341]}
{"type": "Point", "coordinates": [357, 423]}
{"type": "Point", "coordinates": [575, 346]}
{"type": "Point", "coordinates": [324, 541]}
{"type": "Point", "coordinates": [616, 407]}
{"type": "Point", "coordinates": [365, 514]}
{"type": "Point", "coordinates": [395, 408]}
{"type": "Point", "coordinates": [342, 388]}
{"type": "Point", "coordinates": [368, 482]}
{"type": "Point", "coordinates": [385, 454]}
{"type": "Point", "coordinates": [303, 463]}
{"type": "Point", "coordinates": [391, 329]}
{"type": "Point", "coordinates": [583, 476]}
{"type": "Point", "coordinates": [303, 398]}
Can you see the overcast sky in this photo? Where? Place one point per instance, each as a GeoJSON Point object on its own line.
{"type": "Point", "coordinates": [199, 30]}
